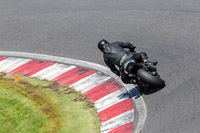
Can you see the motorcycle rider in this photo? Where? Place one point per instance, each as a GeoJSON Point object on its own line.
{"type": "Point", "coordinates": [124, 56]}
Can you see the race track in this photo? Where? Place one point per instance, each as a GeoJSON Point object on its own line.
{"type": "Point", "coordinates": [168, 30]}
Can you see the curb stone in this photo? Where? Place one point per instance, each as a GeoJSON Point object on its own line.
{"type": "Point", "coordinates": [140, 107]}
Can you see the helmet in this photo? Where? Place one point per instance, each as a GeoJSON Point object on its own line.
{"type": "Point", "coordinates": [101, 45]}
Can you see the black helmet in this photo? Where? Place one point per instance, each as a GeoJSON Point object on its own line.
{"type": "Point", "coordinates": [101, 45]}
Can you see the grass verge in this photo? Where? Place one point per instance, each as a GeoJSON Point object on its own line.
{"type": "Point", "coordinates": [39, 106]}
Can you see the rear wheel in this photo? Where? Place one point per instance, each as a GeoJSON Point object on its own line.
{"type": "Point", "coordinates": [150, 79]}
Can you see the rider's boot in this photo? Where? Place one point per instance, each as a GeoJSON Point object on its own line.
{"type": "Point", "coordinates": [141, 86]}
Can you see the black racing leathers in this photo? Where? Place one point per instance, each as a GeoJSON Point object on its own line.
{"type": "Point", "coordinates": [115, 54]}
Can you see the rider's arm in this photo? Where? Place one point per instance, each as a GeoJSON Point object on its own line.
{"type": "Point", "coordinates": [112, 67]}
{"type": "Point", "coordinates": [127, 45]}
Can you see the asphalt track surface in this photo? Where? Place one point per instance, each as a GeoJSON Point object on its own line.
{"type": "Point", "coordinates": [168, 30]}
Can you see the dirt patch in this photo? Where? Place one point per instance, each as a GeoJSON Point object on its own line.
{"type": "Point", "coordinates": [68, 91]}
{"type": "Point", "coordinates": [61, 89]}
{"type": "Point", "coordinates": [54, 86]}
{"type": "Point", "coordinates": [26, 84]}
{"type": "Point", "coordinates": [80, 98]}
{"type": "Point", "coordinates": [83, 98]}
{"type": "Point", "coordinates": [90, 104]}
{"type": "Point", "coordinates": [2, 75]}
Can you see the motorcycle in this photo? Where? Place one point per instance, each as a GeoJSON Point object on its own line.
{"type": "Point", "coordinates": [146, 74]}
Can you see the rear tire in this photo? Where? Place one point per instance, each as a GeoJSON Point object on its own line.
{"type": "Point", "coordinates": [150, 79]}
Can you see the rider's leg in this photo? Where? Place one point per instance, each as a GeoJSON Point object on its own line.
{"type": "Point", "coordinates": [131, 80]}
{"type": "Point", "coordinates": [140, 85]}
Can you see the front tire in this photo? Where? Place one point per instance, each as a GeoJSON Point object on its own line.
{"type": "Point", "coordinates": [150, 79]}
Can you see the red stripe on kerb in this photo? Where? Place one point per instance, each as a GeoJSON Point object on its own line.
{"type": "Point", "coordinates": [102, 90]}
{"type": "Point", "coordinates": [127, 128]}
{"type": "Point", "coordinates": [72, 76]}
{"type": "Point", "coordinates": [32, 67]}
{"type": "Point", "coordinates": [2, 58]}
{"type": "Point", "coordinates": [115, 110]}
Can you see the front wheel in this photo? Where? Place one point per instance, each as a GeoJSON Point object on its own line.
{"type": "Point", "coordinates": [150, 79]}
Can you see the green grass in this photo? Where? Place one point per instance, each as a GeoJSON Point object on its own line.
{"type": "Point", "coordinates": [39, 106]}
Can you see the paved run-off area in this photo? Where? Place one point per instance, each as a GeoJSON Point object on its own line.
{"type": "Point", "coordinates": [113, 103]}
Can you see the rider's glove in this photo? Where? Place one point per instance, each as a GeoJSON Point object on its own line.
{"type": "Point", "coordinates": [132, 48]}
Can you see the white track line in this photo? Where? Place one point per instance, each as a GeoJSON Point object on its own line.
{"type": "Point", "coordinates": [90, 82]}
{"type": "Point", "coordinates": [53, 71]}
{"type": "Point", "coordinates": [12, 63]}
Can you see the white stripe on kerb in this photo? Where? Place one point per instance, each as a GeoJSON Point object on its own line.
{"type": "Point", "coordinates": [90, 82]}
{"type": "Point", "coordinates": [12, 63]}
{"type": "Point", "coordinates": [53, 71]}
{"type": "Point", "coordinates": [118, 121]}
{"type": "Point", "coordinates": [110, 100]}
{"type": "Point", "coordinates": [106, 131]}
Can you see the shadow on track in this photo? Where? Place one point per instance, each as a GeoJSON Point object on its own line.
{"type": "Point", "coordinates": [135, 92]}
